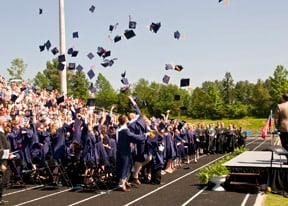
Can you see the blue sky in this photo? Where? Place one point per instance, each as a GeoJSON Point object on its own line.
{"type": "Point", "coordinates": [247, 38]}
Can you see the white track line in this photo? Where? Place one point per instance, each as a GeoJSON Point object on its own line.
{"type": "Point", "coordinates": [192, 198]}
{"type": "Point", "coordinates": [30, 188]}
{"type": "Point", "coordinates": [39, 198]}
{"type": "Point", "coordinates": [245, 199]}
{"type": "Point", "coordinates": [159, 188]}
{"type": "Point", "coordinates": [89, 198]}
{"type": "Point", "coordinates": [179, 178]}
{"type": "Point", "coordinates": [259, 145]}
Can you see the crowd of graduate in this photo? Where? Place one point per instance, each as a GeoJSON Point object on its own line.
{"type": "Point", "coordinates": [89, 147]}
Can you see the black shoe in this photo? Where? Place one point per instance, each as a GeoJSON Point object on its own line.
{"type": "Point", "coordinates": [3, 202]}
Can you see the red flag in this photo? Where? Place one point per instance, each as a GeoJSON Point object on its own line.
{"type": "Point", "coordinates": [266, 127]}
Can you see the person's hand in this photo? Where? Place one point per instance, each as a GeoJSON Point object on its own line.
{"type": "Point", "coordinates": [3, 168]}
{"type": "Point", "coordinates": [23, 132]}
{"type": "Point", "coordinates": [168, 111]}
{"type": "Point", "coordinates": [11, 156]}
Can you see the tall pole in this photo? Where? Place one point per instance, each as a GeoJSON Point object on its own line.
{"type": "Point", "coordinates": [63, 80]}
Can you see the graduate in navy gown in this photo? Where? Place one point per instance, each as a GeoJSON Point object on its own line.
{"type": "Point", "coordinates": [124, 156]}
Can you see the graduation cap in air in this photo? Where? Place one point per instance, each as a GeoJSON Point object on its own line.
{"type": "Point", "coordinates": [100, 51]}
{"type": "Point", "coordinates": [55, 51]}
{"type": "Point", "coordinates": [177, 97]}
{"type": "Point", "coordinates": [90, 55]}
{"type": "Point", "coordinates": [42, 48]}
{"type": "Point", "coordinates": [111, 27]}
{"type": "Point", "coordinates": [106, 54]}
{"type": "Point", "coordinates": [135, 98]}
{"type": "Point", "coordinates": [154, 27]}
{"type": "Point", "coordinates": [61, 58]}
{"type": "Point", "coordinates": [79, 68]}
{"type": "Point", "coordinates": [61, 66]}
{"type": "Point", "coordinates": [124, 81]}
{"type": "Point", "coordinates": [123, 74]}
{"type": "Point", "coordinates": [178, 68]}
{"type": "Point", "coordinates": [91, 74]}
{"type": "Point", "coordinates": [13, 97]}
{"type": "Point", "coordinates": [48, 45]}
{"type": "Point", "coordinates": [177, 34]}
{"type": "Point", "coordinates": [220, 1]}
{"type": "Point", "coordinates": [92, 9]}
{"type": "Point", "coordinates": [74, 53]}
{"type": "Point", "coordinates": [107, 62]}
{"type": "Point", "coordinates": [40, 11]}
{"type": "Point", "coordinates": [50, 88]}
{"type": "Point", "coordinates": [72, 66]}
{"type": "Point", "coordinates": [48, 103]}
{"type": "Point", "coordinates": [129, 34]}
{"type": "Point", "coordinates": [75, 34]}
{"type": "Point", "coordinates": [92, 89]}
{"type": "Point", "coordinates": [132, 24]}
{"type": "Point", "coordinates": [70, 50]}
{"type": "Point", "coordinates": [117, 38]}
{"type": "Point", "coordinates": [91, 102]}
{"type": "Point", "coordinates": [184, 82]}
{"type": "Point", "coordinates": [60, 99]}
{"type": "Point", "coordinates": [166, 79]}
{"type": "Point", "coordinates": [169, 66]}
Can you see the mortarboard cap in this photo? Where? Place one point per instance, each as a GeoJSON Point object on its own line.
{"type": "Point", "coordinates": [180, 125]}
{"type": "Point", "coordinates": [177, 34]}
{"type": "Point", "coordinates": [75, 34]}
{"type": "Point", "coordinates": [48, 103]}
{"type": "Point", "coordinates": [91, 74]}
{"type": "Point", "coordinates": [61, 58]}
{"type": "Point", "coordinates": [92, 89]}
{"type": "Point", "coordinates": [74, 53]}
{"type": "Point", "coordinates": [178, 68]}
{"type": "Point", "coordinates": [155, 27]}
{"type": "Point", "coordinates": [13, 97]}
{"type": "Point", "coordinates": [79, 68]}
{"type": "Point", "coordinates": [50, 88]}
{"type": "Point", "coordinates": [184, 82]}
{"type": "Point", "coordinates": [220, 1]}
{"type": "Point", "coordinates": [135, 98]}
{"type": "Point", "coordinates": [90, 55]}
{"type": "Point", "coordinates": [177, 97]}
{"type": "Point", "coordinates": [70, 50]}
{"type": "Point", "coordinates": [124, 81]}
{"type": "Point", "coordinates": [123, 74]}
{"type": "Point", "coordinates": [40, 11]}
{"type": "Point", "coordinates": [100, 51]}
{"type": "Point", "coordinates": [54, 51]}
{"type": "Point", "coordinates": [72, 66]}
{"type": "Point", "coordinates": [183, 108]}
{"type": "Point", "coordinates": [166, 79]}
{"type": "Point", "coordinates": [107, 63]}
{"type": "Point", "coordinates": [61, 66]}
{"type": "Point", "coordinates": [169, 66]}
{"type": "Point", "coordinates": [129, 34]}
{"type": "Point", "coordinates": [117, 38]}
{"type": "Point", "coordinates": [106, 54]}
{"type": "Point", "coordinates": [132, 24]}
{"type": "Point", "coordinates": [22, 89]}
{"type": "Point", "coordinates": [48, 45]}
{"type": "Point", "coordinates": [92, 9]}
{"type": "Point", "coordinates": [60, 99]}
{"type": "Point", "coordinates": [91, 102]}
{"type": "Point", "coordinates": [111, 27]}
{"type": "Point", "coordinates": [42, 47]}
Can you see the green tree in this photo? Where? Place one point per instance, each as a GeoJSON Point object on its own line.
{"type": "Point", "coordinates": [200, 104]}
{"type": "Point", "coordinates": [261, 100]}
{"type": "Point", "coordinates": [17, 68]}
{"type": "Point", "coordinates": [279, 84]}
{"type": "Point", "coordinates": [79, 84]}
{"type": "Point", "coordinates": [105, 94]}
{"type": "Point", "coordinates": [41, 80]}
{"type": "Point", "coordinates": [244, 91]}
{"type": "Point", "coordinates": [228, 88]}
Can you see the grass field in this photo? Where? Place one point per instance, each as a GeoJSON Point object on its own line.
{"type": "Point", "coordinates": [275, 200]}
{"type": "Point", "coordinates": [252, 124]}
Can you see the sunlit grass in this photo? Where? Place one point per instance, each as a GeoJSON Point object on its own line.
{"type": "Point", "coordinates": [275, 200]}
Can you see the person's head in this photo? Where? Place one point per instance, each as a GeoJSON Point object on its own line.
{"type": "Point", "coordinates": [132, 115]}
{"type": "Point", "coordinates": [122, 119]}
{"type": "Point", "coordinates": [285, 97]}
{"type": "Point", "coordinates": [3, 122]}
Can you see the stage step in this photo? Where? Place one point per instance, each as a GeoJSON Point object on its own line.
{"type": "Point", "coordinates": [248, 174]}
{"type": "Point", "coordinates": [244, 183]}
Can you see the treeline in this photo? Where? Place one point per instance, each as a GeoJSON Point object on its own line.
{"type": "Point", "coordinates": [213, 100]}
